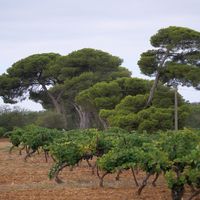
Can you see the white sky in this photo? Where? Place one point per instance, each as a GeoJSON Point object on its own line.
{"type": "Point", "coordinates": [122, 28]}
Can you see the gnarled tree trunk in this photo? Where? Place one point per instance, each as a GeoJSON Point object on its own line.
{"type": "Point", "coordinates": [153, 89]}
{"type": "Point", "coordinates": [83, 116]}
{"type": "Point", "coordinates": [177, 192]}
{"type": "Point", "coordinates": [57, 103]}
{"type": "Point", "coordinates": [63, 112]}
{"type": "Point", "coordinates": [103, 123]}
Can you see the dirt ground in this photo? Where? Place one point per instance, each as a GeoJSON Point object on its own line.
{"type": "Point", "coordinates": [21, 180]}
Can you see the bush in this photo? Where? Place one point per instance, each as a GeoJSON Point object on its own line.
{"type": "Point", "coordinates": [2, 132]}
{"type": "Point", "coordinates": [51, 119]}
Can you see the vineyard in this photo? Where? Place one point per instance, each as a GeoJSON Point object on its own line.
{"type": "Point", "coordinates": [109, 164]}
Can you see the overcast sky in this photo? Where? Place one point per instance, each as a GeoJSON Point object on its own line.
{"type": "Point", "coordinates": [122, 28]}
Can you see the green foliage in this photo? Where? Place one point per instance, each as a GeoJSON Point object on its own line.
{"type": "Point", "coordinates": [50, 119]}
{"type": "Point", "coordinates": [153, 160]}
{"type": "Point", "coordinates": [103, 144]}
{"type": "Point", "coordinates": [77, 145]}
{"type": "Point", "coordinates": [132, 140]}
{"type": "Point", "coordinates": [37, 137]}
{"type": "Point", "coordinates": [134, 151]}
{"type": "Point", "coordinates": [192, 172]}
{"type": "Point", "coordinates": [131, 104]}
{"type": "Point", "coordinates": [133, 86]}
{"type": "Point", "coordinates": [78, 83]}
{"type": "Point", "coordinates": [7, 89]}
{"type": "Point", "coordinates": [174, 153]}
{"type": "Point", "coordinates": [130, 114]}
{"type": "Point", "coordinates": [115, 131]}
{"type": "Point", "coordinates": [136, 118]}
{"type": "Point", "coordinates": [193, 118]}
{"type": "Point", "coordinates": [67, 151]}
{"type": "Point", "coordinates": [176, 38]}
{"type": "Point", "coordinates": [11, 118]}
{"type": "Point", "coordinates": [92, 66]}
{"type": "Point", "coordinates": [106, 95]}
{"type": "Point", "coordinates": [55, 81]}
{"type": "Point", "coordinates": [175, 58]}
{"type": "Point", "coordinates": [182, 148]}
{"type": "Point", "coordinates": [164, 97]}
{"type": "Point", "coordinates": [153, 119]}
{"type": "Point", "coordinates": [28, 72]}
{"type": "Point", "coordinates": [33, 137]}
{"type": "Point", "coordinates": [120, 102]}
{"type": "Point", "coordinates": [122, 72]}
{"type": "Point", "coordinates": [173, 180]}
{"type": "Point", "coordinates": [184, 74]}
{"type": "Point", "coordinates": [119, 159]}
{"type": "Point", "coordinates": [88, 59]}
{"type": "Point", "coordinates": [2, 132]}
{"type": "Point", "coordinates": [180, 144]}
{"type": "Point", "coordinates": [148, 63]}
{"type": "Point", "coordinates": [16, 136]}
{"type": "Point", "coordinates": [101, 95]}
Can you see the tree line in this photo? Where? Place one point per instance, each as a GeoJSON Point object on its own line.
{"type": "Point", "coordinates": [91, 88]}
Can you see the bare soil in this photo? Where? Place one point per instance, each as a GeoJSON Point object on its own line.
{"type": "Point", "coordinates": [29, 180]}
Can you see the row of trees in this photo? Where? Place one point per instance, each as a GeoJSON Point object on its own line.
{"type": "Point", "coordinates": [17, 117]}
{"type": "Point", "coordinates": [174, 154]}
{"type": "Point", "coordinates": [189, 116]}
{"type": "Point", "coordinates": [55, 80]}
{"type": "Point", "coordinates": [90, 88]}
